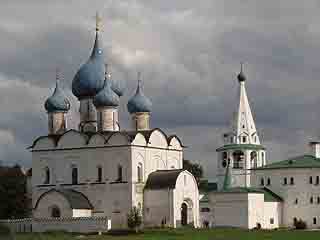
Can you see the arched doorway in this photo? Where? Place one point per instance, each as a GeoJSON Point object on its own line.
{"type": "Point", "coordinates": [184, 214]}
{"type": "Point", "coordinates": [55, 212]}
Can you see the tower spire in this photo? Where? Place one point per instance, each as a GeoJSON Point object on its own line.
{"type": "Point", "coordinates": [243, 125]}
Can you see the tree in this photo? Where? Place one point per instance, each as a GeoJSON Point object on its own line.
{"type": "Point", "coordinates": [194, 168]}
{"type": "Point", "coordinates": [134, 218]}
{"type": "Point", "coordinates": [13, 195]}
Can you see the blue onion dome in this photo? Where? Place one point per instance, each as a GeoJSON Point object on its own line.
{"type": "Point", "coordinates": [106, 97]}
{"type": "Point", "coordinates": [139, 102]}
{"type": "Point", "coordinates": [58, 102]}
{"type": "Point", "coordinates": [89, 80]}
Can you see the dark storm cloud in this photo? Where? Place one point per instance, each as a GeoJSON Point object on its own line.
{"type": "Point", "coordinates": [189, 54]}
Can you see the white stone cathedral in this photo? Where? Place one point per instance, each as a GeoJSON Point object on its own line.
{"type": "Point", "coordinates": [100, 169]}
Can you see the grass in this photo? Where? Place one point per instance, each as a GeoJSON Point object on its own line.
{"type": "Point", "coordinates": [182, 234]}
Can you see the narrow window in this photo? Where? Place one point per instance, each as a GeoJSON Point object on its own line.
{"type": "Point", "coordinates": [285, 181]}
{"type": "Point", "coordinates": [74, 175]}
{"type": "Point", "coordinates": [262, 182]}
{"type": "Point", "coordinates": [99, 174]}
{"type": "Point", "coordinates": [314, 220]}
{"type": "Point", "coordinates": [271, 221]}
{"type": "Point", "coordinates": [317, 180]}
{"type": "Point", "coordinates": [268, 182]}
{"type": "Point", "coordinates": [47, 176]}
{"type": "Point", "coordinates": [244, 139]}
{"type": "Point", "coordinates": [318, 200]}
{"type": "Point", "coordinates": [296, 201]}
{"type": "Point", "coordinates": [310, 179]}
{"type": "Point", "coordinates": [224, 159]}
{"type": "Point", "coordinates": [291, 181]}
{"type": "Point", "coordinates": [231, 139]}
{"type": "Point", "coordinates": [311, 200]}
{"type": "Point", "coordinates": [139, 172]}
{"type": "Point", "coordinates": [253, 159]}
{"type": "Point", "coordinates": [119, 174]}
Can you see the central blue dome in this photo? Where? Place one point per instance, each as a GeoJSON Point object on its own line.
{"type": "Point", "coordinates": [89, 80]}
{"type": "Point", "coordinates": [58, 102]}
{"type": "Point", "coordinates": [139, 102]}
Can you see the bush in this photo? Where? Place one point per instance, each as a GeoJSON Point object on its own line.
{"type": "Point", "coordinates": [300, 224]}
{"type": "Point", "coordinates": [134, 218]}
{"type": "Point", "coordinates": [4, 230]}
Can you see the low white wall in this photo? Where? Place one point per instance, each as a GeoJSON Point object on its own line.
{"type": "Point", "coordinates": [18, 225]}
{"type": "Point", "coordinates": [81, 225]}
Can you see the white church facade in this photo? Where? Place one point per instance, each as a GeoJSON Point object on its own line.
{"type": "Point", "coordinates": [100, 169]}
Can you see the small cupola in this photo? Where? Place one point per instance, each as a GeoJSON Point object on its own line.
{"type": "Point", "coordinates": [106, 97]}
{"type": "Point", "coordinates": [139, 102]}
{"type": "Point", "coordinates": [57, 105]}
{"type": "Point", "coordinates": [57, 102]}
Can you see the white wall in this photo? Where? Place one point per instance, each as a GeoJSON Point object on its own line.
{"type": "Point", "coordinates": [230, 209]}
{"type": "Point", "coordinates": [301, 190]}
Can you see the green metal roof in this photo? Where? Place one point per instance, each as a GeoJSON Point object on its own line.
{"type": "Point", "coordinates": [269, 196]}
{"type": "Point", "coordinates": [206, 186]}
{"type": "Point", "coordinates": [304, 161]}
{"type": "Point", "coordinates": [240, 147]}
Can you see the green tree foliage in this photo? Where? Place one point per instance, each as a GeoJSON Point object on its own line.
{"type": "Point", "coordinates": [194, 168]}
{"type": "Point", "coordinates": [13, 196]}
{"type": "Point", "coordinates": [134, 218]}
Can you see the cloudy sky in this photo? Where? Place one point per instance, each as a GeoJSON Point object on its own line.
{"type": "Point", "coordinates": [189, 53]}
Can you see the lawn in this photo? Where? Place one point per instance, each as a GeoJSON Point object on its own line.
{"type": "Point", "coordinates": [183, 234]}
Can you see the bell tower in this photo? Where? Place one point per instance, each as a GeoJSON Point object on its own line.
{"type": "Point", "coordinates": [242, 150]}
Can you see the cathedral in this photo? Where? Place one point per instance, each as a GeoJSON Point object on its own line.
{"type": "Point", "coordinates": [101, 169]}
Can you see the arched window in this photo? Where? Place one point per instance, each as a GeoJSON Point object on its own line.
{"type": "Point", "coordinates": [268, 182]}
{"type": "Point", "coordinates": [291, 180]}
{"type": "Point", "coordinates": [119, 178]}
{"type": "Point", "coordinates": [318, 200]}
{"type": "Point", "coordinates": [238, 157]}
{"type": "Point", "coordinates": [310, 179]}
{"type": "Point", "coordinates": [55, 212]}
{"type": "Point", "coordinates": [285, 181]}
{"type": "Point", "coordinates": [311, 200]}
{"type": "Point", "coordinates": [253, 159]}
{"type": "Point", "coordinates": [262, 158]}
{"type": "Point", "coordinates": [262, 181]}
{"type": "Point", "coordinates": [139, 172]}
{"type": "Point", "coordinates": [47, 175]}
{"type": "Point", "coordinates": [317, 180]}
{"type": "Point", "coordinates": [74, 175]}
{"type": "Point", "coordinates": [314, 220]}
{"type": "Point", "coordinates": [99, 174]}
{"type": "Point", "coordinates": [224, 159]}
